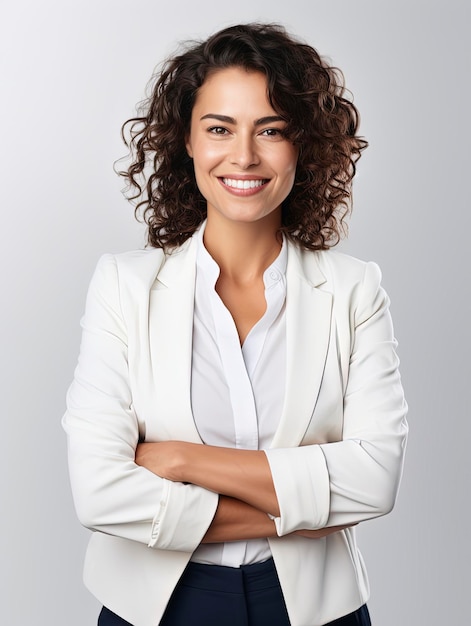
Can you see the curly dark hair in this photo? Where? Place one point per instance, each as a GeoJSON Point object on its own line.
{"type": "Point", "coordinates": [302, 88]}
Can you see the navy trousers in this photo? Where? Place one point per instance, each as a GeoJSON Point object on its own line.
{"type": "Point", "coordinates": [210, 595]}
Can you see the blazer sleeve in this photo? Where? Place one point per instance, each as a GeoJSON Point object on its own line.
{"type": "Point", "coordinates": [111, 493]}
{"type": "Point", "coordinates": [357, 478]}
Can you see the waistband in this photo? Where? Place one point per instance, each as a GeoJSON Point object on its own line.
{"type": "Point", "coordinates": [245, 578]}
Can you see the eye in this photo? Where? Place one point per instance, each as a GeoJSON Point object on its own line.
{"type": "Point", "coordinates": [218, 130]}
{"type": "Point", "coordinates": [275, 133]}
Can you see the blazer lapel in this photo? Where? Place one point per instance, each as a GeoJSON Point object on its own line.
{"type": "Point", "coordinates": [170, 336]}
{"type": "Point", "coordinates": [308, 322]}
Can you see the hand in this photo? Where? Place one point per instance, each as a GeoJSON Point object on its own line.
{"type": "Point", "coordinates": [322, 532]}
{"type": "Point", "coordinates": [165, 459]}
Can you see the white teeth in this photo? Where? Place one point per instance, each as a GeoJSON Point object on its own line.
{"type": "Point", "coordinates": [243, 184]}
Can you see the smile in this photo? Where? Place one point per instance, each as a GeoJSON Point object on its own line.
{"type": "Point", "coordinates": [237, 183]}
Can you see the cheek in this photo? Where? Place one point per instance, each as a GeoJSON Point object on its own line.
{"type": "Point", "coordinates": [205, 157]}
{"type": "Point", "coordinates": [293, 158]}
{"type": "Point", "coordinates": [289, 165]}
{"type": "Point", "coordinates": [287, 161]}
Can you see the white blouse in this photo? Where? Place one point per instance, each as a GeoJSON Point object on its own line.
{"type": "Point", "coordinates": [237, 393]}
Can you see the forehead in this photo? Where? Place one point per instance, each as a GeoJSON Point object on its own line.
{"type": "Point", "coordinates": [232, 88]}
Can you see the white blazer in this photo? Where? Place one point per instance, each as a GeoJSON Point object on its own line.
{"type": "Point", "coordinates": [336, 457]}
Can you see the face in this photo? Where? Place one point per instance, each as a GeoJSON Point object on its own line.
{"type": "Point", "coordinates": [244, 165]}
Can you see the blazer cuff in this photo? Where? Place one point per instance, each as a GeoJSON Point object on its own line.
{"type": "Point", "coordinates": [184, 515]}
{"type": "Point", "coordinates": [301, 482]}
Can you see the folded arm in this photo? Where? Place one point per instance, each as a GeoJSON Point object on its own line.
{"type": "Point", "coordinates": [241, 474]}
{"type": "Point", "coordinates": [317, 486]}
{"type": "Point", "coordinates": [112, 494]}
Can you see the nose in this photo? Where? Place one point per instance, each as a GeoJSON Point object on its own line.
{"type": "Point", "coordinates": [244, 151]}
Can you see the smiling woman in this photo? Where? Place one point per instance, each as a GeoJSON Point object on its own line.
{"type": "Point", "coordinates": [237, 407]}
{"type": "Point", "coordinates": [306, 97]}
{"type": "Point", "coordinates": [246, 168]}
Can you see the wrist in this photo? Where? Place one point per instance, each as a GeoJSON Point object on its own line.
{"type": "Point", "coordinates": [175, 461]}
{"type": "Point", "coordinates": [185, 459]}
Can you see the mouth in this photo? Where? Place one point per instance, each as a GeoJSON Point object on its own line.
{"type": "Point", "coordinates": [243, 186]}
{"type": "Point", "coordinates": [237, 183]}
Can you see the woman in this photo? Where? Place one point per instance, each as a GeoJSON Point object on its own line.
{"type": "Point", "coordinates": [238, 329]}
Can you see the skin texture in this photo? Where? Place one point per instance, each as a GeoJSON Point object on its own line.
{"type": "Point", "coordinates": [235, 135]}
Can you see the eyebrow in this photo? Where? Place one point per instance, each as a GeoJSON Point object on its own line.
{"type": "Point", "coordinates": [230, 120]}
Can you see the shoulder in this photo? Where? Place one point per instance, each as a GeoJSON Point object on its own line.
{"type": "Point", "coordinates": [121, 274]}
{"type": "Point", "coordinates": [133, 267]}
{"type": "Point", "coordinates": [339, 264]}
{"type": "Point", "coordinates": [135, 272]}
{"type": "Point", "coordinates": [334, 269]}
{"type": "Point", "coordinates": [135, 261]}
{"type": "Point", "coordinates": [354, 284]}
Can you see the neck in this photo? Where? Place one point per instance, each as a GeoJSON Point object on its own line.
{"type": "Point", "coordinates": [243, 250]}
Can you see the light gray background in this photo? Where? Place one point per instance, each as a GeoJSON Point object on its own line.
{"type": "Point", "coordinates": [71, 72]}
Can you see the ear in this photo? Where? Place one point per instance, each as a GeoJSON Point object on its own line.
{"type": "Point", "coordinates": [188, 146]}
